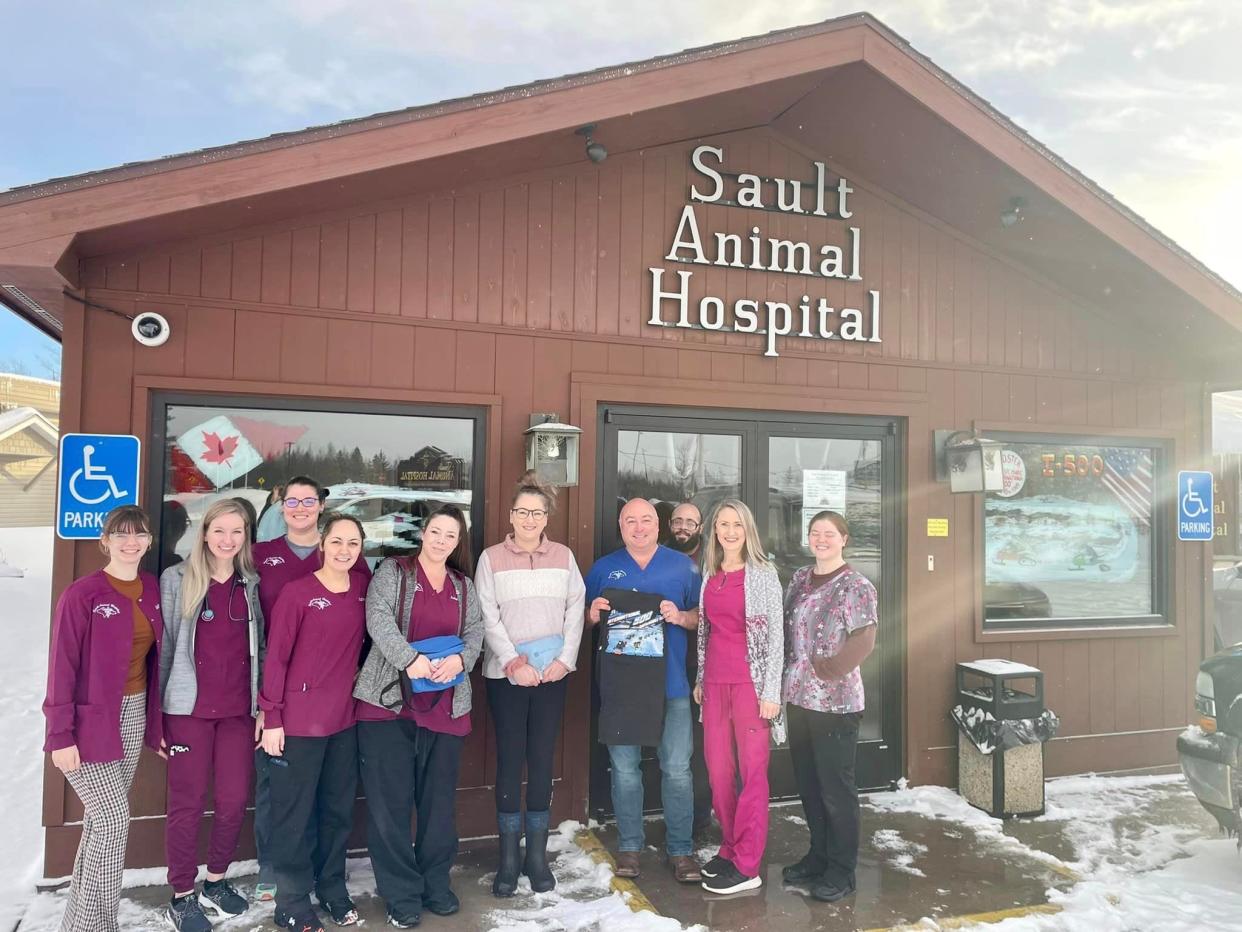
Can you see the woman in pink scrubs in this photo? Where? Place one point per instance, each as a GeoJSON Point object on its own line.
{"type": "Point", "coordinates": [741, 652]}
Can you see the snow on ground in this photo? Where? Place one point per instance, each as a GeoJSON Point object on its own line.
{"type": "Point", "coordinates": [1137, 872]}
{"type": "Point", "coordinates": [900, 852]}
{"type": "Point", "coordinates": [1137, 866]}
{"type": "Point", "coordinates": [943, 804]}
{"type": "Point", "coordinates": [583, 898]}
{"type": "Point", "coordinates": [46, 910]}
{"type": "Point", "coordinates": [24, 616]}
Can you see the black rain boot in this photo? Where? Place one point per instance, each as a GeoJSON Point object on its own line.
{"type": "Point", "coordinates": [536, 865]}
{"type": "Point", "coordinates": [510, 824]}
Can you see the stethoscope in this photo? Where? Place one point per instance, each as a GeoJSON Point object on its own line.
{"type": "Point", "coordinates": [209, 614]}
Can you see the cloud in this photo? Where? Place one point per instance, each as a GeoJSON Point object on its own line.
{"type": "Point", "coordinates": [269, 78]}
{"type": "Point", "coordinates": [1139, 94]}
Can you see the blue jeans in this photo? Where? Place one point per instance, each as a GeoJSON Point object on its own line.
{"type": "Point", "coordinates": [676, 785]}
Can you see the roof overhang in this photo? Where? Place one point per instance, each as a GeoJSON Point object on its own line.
{"type": "Point", "coordinates": [849, 90]}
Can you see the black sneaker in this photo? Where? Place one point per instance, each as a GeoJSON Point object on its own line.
{"type": "Point", "coordinates": [829, 891]}
{"type": "Point", "coordinates": [342, 911]}
{"type": "Point", "coordinates": [803, 871]}
{"type": "Point", "coordinates": [309, 922]}
{"type": "Point", "coordinates": [407, 923]}
{"type": "Point", "coordinates": [731, 880]}
{"type": "Point", "coordinates": [186, 916]}
{"type": "Point", "coordinates": [222, 898]}
{"type": "Point", "coordinates": [442, 904]}
{"type": "Point", "coordinates": [715, 866]}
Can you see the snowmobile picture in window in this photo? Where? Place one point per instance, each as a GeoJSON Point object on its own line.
{"type": "Point", "coordinates": [1016, 553]}
{"type": "Point", "coordinates": [1085, 556]}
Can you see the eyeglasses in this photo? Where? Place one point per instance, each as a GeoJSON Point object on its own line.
{"type": "Point", "coordinates": [122, 536]}
{"type": "Point", "coordinates": [304, 502]}
{"type": "Point", "coordinates": [688, 523]}
{"type": "Point", "coordinates": [523, 513]}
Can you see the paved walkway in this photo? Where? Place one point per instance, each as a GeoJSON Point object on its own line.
{"type": "Point", "coordinates": [924, 854]}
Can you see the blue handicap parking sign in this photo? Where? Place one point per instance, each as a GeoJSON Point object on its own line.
{"type": "Point", "coordinates": [1194, 505]}
{"type": "Point", "coordinates": [98, 472]}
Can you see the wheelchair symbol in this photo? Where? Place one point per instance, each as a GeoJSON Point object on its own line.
{"type": "Point", "coordinates": [89, 472]}
{"type": "Point", "coordinates": [1191, 498]}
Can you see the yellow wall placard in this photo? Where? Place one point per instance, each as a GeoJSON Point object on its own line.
{"type": "Point", "coordinates": [937, 527]}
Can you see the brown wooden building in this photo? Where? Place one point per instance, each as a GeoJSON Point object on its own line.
{"type": "Point", "coordinates": [418, 284]}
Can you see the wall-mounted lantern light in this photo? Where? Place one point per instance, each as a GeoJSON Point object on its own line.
{"type": "Point", "coordinates": [969, 462]}
{"type": "Point", "coordinates": [552, 449]}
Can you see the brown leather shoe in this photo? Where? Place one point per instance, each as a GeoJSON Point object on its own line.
{"type": "Point", "coordinates": [627, 864]}
{"type": "Point", "coordinates": [685, 869]}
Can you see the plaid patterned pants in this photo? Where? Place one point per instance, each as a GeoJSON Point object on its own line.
{"type": "Point", "coordinates": [95, 893]}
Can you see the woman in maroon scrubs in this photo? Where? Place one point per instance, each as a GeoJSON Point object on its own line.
{"type": "Point", "coordinates": [103, 703]}
{"type": "Point", "coordinates": [409, 757]}
{"type": "Point", "coordinates": [314, 641]}
{"type": "Point", "coordinates": [209, 675]}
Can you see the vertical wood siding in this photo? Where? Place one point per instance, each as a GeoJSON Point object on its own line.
{"type": "Point", "coordinates": [518, 288]}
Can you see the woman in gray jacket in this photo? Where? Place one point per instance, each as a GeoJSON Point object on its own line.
{"type": "Point", "coordinates": [209, 678]}
{"type": "Point", "coordinates": [409, 752]}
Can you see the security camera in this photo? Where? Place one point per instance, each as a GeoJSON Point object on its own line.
{"type": "Point", "coordinates": [151, 329]}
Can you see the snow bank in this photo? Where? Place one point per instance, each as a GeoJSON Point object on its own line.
{"type": "Point", "coordinates": [1201, 891]}
{"type": "Point", "coordinates": [25, 612]}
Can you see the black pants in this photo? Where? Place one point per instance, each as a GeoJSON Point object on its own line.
{"type": "Point", "coordinates": [822, 746]}
{"type": "Point", "coordinates": [698, 759]}
{"type": "Point", "coordinates": [528, 720]}
{"type": "Point", "coordinates": [315, 787]}
{"type": "Point", "coordinates": [407, 769]}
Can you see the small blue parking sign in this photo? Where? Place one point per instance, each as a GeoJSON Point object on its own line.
{"type": "Point", "coordinates": [1194, 505]}
{"type": "Point", "coordinates": [98, 472]}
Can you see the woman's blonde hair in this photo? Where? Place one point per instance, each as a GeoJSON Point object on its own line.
{"type": "Point", "coordinates": [198, 564]}
{"type": "Point", "coordinates": [752, 550]}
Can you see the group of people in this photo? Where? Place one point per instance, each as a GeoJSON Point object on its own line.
{"type": "Point", "coordinates": [289, 664]}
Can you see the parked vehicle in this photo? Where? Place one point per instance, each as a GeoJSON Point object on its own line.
{"type": "Point", "coordinates": [1208, 749]}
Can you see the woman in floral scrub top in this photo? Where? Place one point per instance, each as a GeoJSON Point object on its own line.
{"type": "Point", "coordinates": [830, 624]}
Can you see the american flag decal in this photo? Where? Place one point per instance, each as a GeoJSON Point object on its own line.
{"type": "Point", "coordinates": [1128, 475]}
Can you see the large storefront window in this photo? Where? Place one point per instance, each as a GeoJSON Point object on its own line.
{"type": "Point", "coordinates": [390, 466]}
{"type": "Point", "coordinates": [1070, 539]}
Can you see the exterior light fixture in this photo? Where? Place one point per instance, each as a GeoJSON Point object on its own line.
{"type": "Point", "coordinates": [969, 462]}
{"type": "Point", "coordinates": [1013, 213]}
{"type": "Point", "coordinates": [595, 150]}
{"type": "Point", "coordinates": [552, 449]}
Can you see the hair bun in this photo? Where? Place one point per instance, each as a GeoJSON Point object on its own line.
{"type": "Point", "coordinates": [531, 481]}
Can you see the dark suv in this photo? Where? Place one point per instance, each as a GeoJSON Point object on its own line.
{"type": "Point", "coordinates": [1208, 750]}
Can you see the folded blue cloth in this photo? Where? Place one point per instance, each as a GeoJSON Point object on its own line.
{"type": "Point", "coordinates": [437, 648]}
{"type": "Point", "coordinates": [540, 652]}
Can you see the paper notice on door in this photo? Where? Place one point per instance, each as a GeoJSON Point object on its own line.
{"type": "Point", "coordinates": [822, 490]}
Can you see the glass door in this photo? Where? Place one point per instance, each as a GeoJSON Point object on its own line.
{"type": "Point", "coordinates": [786, 468]}
{"type": "Point", "coordinates": [843, 468]}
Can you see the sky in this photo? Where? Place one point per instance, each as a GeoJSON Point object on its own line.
{"type": "Point", "coordinates": [1141, 96]}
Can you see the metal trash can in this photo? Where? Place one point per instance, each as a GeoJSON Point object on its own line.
{"type": "Point", "coordinates": [1002, 726]}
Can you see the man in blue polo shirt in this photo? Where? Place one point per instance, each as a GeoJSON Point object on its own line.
{"type": "Point", "coordinates": [645, 566]}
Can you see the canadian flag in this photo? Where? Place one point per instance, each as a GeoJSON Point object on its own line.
{"type": "Point", "coordinates": [219, 450]}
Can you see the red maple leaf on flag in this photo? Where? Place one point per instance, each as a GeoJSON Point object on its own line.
{"type": "Point", "coordinates": [218, 450]}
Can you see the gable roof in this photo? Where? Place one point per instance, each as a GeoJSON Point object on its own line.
{"type": "Point", "coordinates": [45, 227]}
{"type": "Point", "coordinates": [18, 420]}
